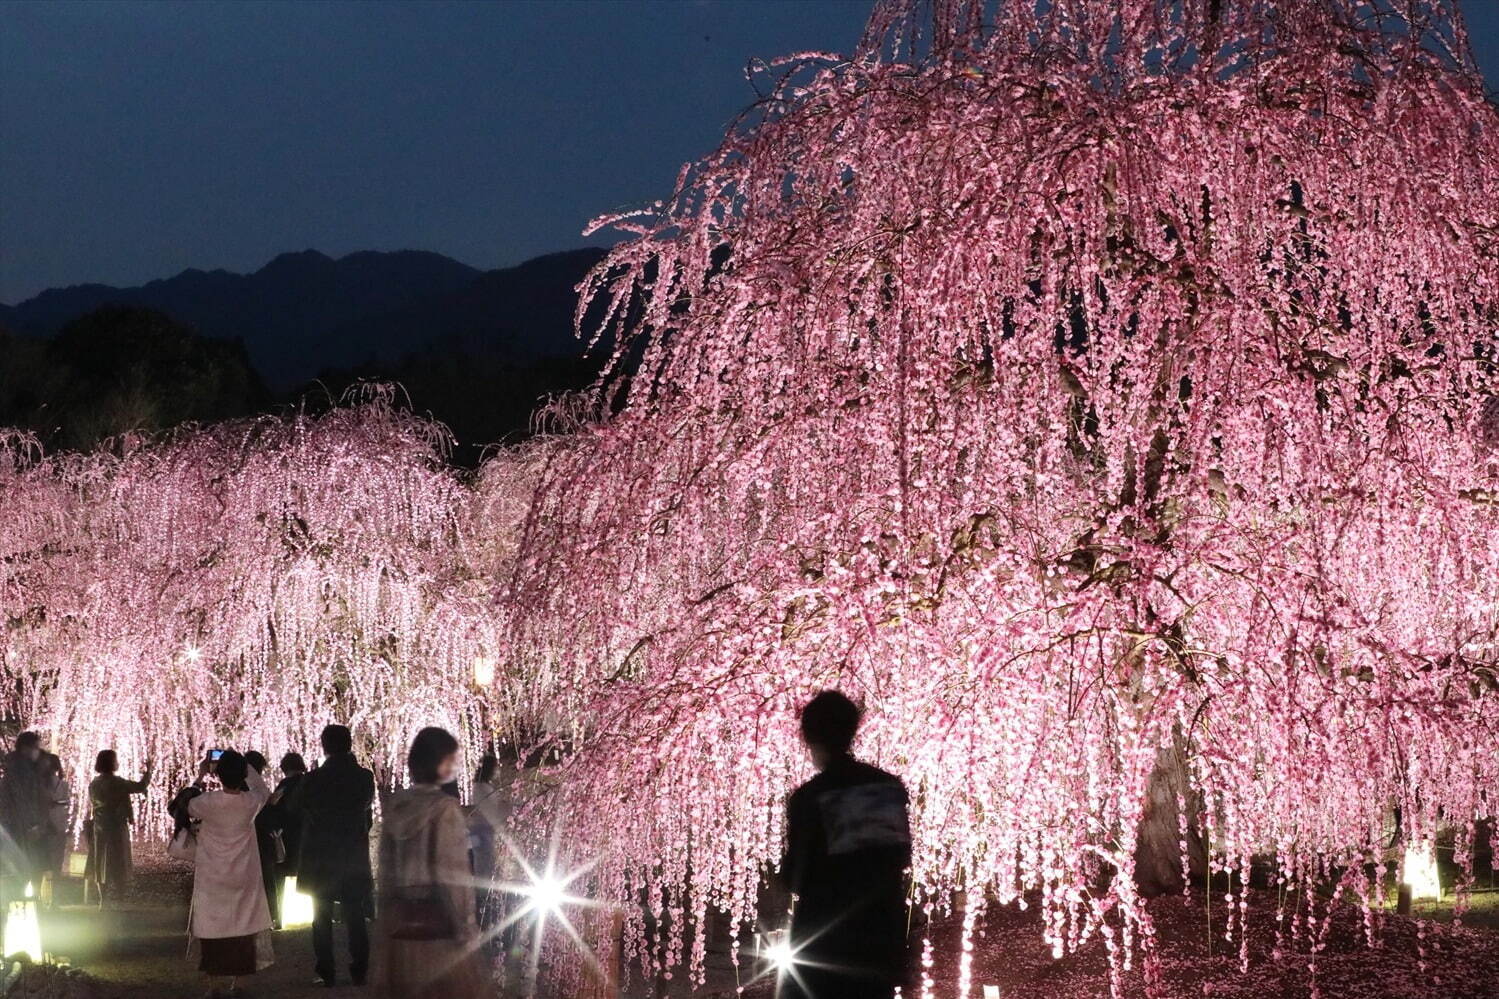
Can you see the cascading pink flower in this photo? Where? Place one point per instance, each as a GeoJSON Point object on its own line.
{"type": "Point", "coordinates": [1076, 383]}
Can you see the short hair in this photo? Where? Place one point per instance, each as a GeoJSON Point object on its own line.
{"type": "Point", "coordinates": [27, 740]}
{"type": "Point", "coordinates": [231, 769]}
{"type": "Point", "coordinates": [293, 762]}
{"type": "Point", "coordinates": [430, 747]}
{"type": "Point", "coordinates": [256, 759]}
{"type": "Point", "coordinates": [106, 762]}
{"type": "Point", "coordinates": [830, 720]}
{"type": "Point", "coordinates": [336, 739]}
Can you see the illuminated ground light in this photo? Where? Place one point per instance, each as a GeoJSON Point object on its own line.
{"type": "Point", "coordinates": [546, 895]}
{"type": "Point", "coordinates": [296, 906]}
{"type": "Point", "coordinates": [778, 959]}
{"type": "Point", "coordinates": [548, 898]}
{"type": "Point", "coordinates": [23, 932]}
{"type": "Point", "coordinates": [1421, 871]}
{"type": "Point", "coordinates": [780, 956]}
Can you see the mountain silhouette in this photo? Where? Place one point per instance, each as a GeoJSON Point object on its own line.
{"type": "Point", "coordinates": [304, 314]}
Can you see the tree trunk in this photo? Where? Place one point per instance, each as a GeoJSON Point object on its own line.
{"type": "Point", "coordinates": [1158, 853]}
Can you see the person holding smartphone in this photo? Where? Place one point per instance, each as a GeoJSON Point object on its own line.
{"type": "Point", "coordinates": [230, 923]}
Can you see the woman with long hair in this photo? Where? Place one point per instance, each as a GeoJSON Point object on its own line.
{"type": "Point", "coordinates": [427, 927]}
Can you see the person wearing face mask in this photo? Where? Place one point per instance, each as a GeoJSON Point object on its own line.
{"type": "Point", "coordinates": [429, 935]}
{"type": "Point", "coordinates": [335, 806]}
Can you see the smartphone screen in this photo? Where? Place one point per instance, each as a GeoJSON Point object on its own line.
{"type": "Point", "coordinates": [214, 754]}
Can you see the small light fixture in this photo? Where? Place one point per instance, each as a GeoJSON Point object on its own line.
{"type": "Point", "coordinates": [777, 952]}
{"type": "Point", "coordinates": [296, 906]}
{"type": "Point", "coordinates": [991, 992]}
{"type": "Point", "coordinates": [483, 671]}
{"type": "Point", "coordinates": [23, 931]}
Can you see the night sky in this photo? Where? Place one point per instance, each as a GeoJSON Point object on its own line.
{"type": "Point", "coordinates": [139, 139]}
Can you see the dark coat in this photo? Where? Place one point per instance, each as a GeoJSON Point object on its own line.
{"type": "Point", "coordinates": [277, 816]}
{"type": "Point", "coordinates": [335, 807]}
{"type": "Point", "coordinates": [23, 814]}
{"type": "Point", "coordinates": [848, 844]}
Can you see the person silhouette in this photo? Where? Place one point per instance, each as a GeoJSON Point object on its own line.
{"type": "Point", "coordinates": [848, 844]}
{"type": "Point", "coordinates": [335, 805]}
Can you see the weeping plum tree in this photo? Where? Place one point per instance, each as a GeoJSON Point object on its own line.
{"type": "Point", "coordinates": [1103, 392]}
{"type": "Point", "coordinates": [246, 583]}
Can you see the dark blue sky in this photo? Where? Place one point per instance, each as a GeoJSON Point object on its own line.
{"type": "Point", "coordinates": [138, 139]}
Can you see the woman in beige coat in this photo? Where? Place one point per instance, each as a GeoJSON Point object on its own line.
{"type": "Point", "coordinates": [430, 943]}
{"type": "Point", "coordinates": [108, 828]}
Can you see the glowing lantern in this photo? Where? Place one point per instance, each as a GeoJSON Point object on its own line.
{"type": "Point", "coordinates": [777, 952]}
{"type": "Point", "coordinates": [23, 932]}
{"type": "Point", "coordinates": [991, 992]}
{"type": "Point", "coordinates": [483, 671]}
{"type": "Point", "coordinates": [296, 906]}
{"type": "Point", "coordinates": [1421, 871]}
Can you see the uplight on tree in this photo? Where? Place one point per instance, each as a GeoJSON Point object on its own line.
{"type": "Point", "coordinates": [1421, 875]}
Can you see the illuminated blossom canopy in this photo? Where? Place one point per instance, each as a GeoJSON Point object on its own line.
{"type": "Point", "coordinates": [1103, 392]}
{"type": "Point", "coordinates": [1086, 386]}
{"type": "Point", "coordinates": [247, 583]}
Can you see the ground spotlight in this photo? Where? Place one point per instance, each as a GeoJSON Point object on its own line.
{"type": "Point", "coordinates": [778, 955]}
{"type": "Point", "coordinates": [547, 894]}
{"type": "Point", "coordinates": [781, 956]}
{"type": "Point", "coordinates": [296, 906]}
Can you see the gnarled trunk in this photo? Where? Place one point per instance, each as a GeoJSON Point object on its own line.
{"type": "Point", "coordinates": [1158, 851]}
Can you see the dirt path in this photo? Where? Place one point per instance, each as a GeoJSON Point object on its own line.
{"type": "Point", "coordinates": [138, 950]}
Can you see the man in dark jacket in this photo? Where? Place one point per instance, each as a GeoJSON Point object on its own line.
{"type": "Point", "coordinates": [335, 806]}
{"type": "Point", "coordinates": [23, 817]}
{"type": "Point", "coordinates": [848, 844]}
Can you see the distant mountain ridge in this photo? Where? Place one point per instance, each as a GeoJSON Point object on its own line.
{"type": "Point", "coordinates": [306, 313]}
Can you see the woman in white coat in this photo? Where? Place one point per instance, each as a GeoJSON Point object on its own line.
{"type": "Point", "coordinates": [229, 926]}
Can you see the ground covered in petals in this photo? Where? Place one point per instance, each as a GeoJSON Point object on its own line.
{"type": "Point", "coordinates": [1415, 959]}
